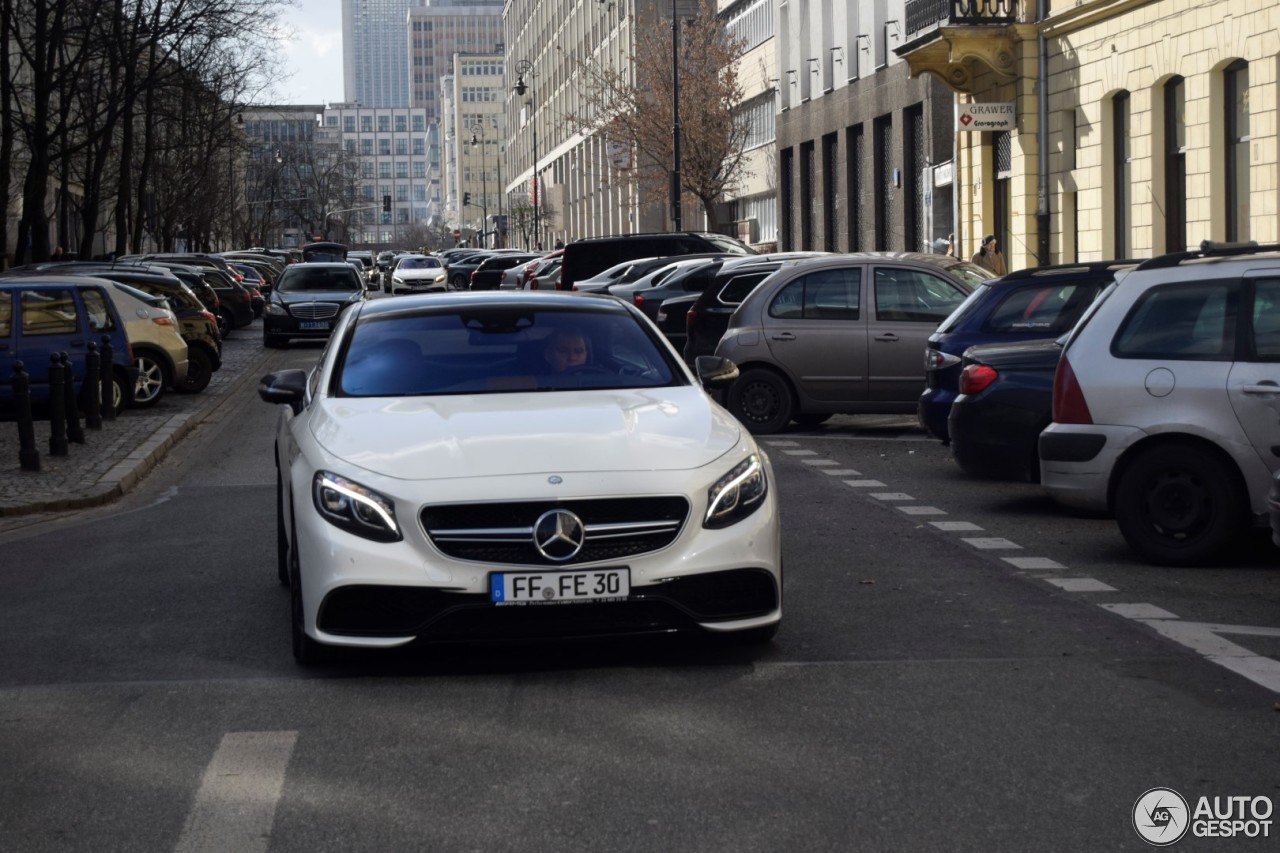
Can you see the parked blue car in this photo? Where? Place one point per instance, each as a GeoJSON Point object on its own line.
{"type": "Point", "coordinates": [40, 316]}
{"type": "Point", "coordinates": [1042, 302]}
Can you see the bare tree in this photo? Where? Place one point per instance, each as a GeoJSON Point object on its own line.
{"type": "Point", "coordinates": [633, 105]}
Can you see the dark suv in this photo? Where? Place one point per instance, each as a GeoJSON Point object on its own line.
{"type": "Point", "coordinates": [1041, 302]}
{"type": "Point", "coordinates": [585, 258]}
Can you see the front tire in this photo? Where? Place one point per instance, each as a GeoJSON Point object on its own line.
{"type": "Point", "coordinates": [762, 400]}
{"type": "Point", "coordinates": [1179, 505]}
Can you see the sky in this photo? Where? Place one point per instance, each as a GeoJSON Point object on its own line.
{"type": "Point", "coordinates": [313, 53]}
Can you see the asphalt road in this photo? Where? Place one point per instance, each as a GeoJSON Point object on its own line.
{"type": "Point", "coordinates": [924, 693]}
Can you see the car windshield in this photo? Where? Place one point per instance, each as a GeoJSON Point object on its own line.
{"type": "Point", "coordinates": [297, 279]}
{"type": "Point", "coordinates": [501, 349]}
{"type": "Point", "coordinates": [418, 264]}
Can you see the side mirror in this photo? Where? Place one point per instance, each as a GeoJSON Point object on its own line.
{"type": "Point", "coordinates": [287, 387]}
{"type": "Point", "coordinates": [715, 372]}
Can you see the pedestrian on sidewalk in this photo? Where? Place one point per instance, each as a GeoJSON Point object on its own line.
{"type": "Point", "coordinates": [989, 257]}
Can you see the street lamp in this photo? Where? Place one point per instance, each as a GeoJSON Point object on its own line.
{"type": "Point", "coordinates": [524, 67]}
{"type": "Point", "coordinates": [477, 138]}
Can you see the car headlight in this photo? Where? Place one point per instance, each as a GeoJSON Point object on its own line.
{"type": "Point", "coordinates": [737, 494]}
{"type": "Point", "coordinates": [440, 277]}
{"type": "Point", "coordinates": [354, 508]}
{"type": "Point", "coordinates": [275, 309]}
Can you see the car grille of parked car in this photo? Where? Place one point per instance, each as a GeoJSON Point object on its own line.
{"type": "Point", "coordinates": [314, 310]}
{"type": "Point", "coordinates": [502, 533]}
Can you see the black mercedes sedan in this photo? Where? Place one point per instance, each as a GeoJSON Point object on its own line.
{"type": "Point", "coordinates": [307, 301]}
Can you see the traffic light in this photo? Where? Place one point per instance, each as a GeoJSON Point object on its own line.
{"type": "Point", "coordinates": [466, 199]}
{"type": "Point", "coordinates": [386, 204]}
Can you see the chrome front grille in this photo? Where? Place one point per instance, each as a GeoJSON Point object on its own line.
{"type": "Point", "coordinates": [615, 529]}
{"type": "Point", "coordinates": [314, 310]}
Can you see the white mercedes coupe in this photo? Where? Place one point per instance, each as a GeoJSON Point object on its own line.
{"type": "Point", "coordinates": [478, 466]}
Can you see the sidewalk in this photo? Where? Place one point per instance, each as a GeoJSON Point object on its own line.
{"type": "Point", "coordinates": [114, 458]}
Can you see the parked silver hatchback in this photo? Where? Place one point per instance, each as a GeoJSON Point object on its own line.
{"type": "Point", "coordinates": [1166, 402]}
{"type": "Point", "coordinates": [840, 334]}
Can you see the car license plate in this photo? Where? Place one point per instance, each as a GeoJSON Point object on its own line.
{"type": "Point", "coordinates": [313, 324]}
{"type": "Point", "coordinates": [559, 587]}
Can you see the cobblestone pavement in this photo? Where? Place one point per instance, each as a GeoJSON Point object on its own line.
{"type": "Point", "coordinates": [114, 458]}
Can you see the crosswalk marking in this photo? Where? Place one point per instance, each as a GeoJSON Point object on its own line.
{"type": "Point", "coordinates": [236, 804]}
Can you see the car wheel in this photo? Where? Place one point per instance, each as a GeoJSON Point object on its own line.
{"type": "Point", "coordinates": [199, 371]}
{"type": "Point", "coordinates": [762, 400]}
{"type": "Point", "coordinates": [306, 651]}
{"type": "Point", "coordinates": [282, 541]}
{"type": "Point", "coordinates": [458, 282]}
{"type": "Point", "coordinates": [226, 321]}
{"type": "Point", "coordinates": [152, 380]}
{"type": "Point", "coordinates": [1178, 505]}
{"type": "Point", "coordinates": [808, 420]}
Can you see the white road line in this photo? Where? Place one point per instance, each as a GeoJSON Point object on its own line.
{"type": "Point", "coordinates": [236, 804]}
{"type": "Point", "coordinates": [801, 452]}
{"type": "Point", "coordinates": [864, 484]}
{"type": "Point", "coordinates": [819, 463]}
{"type": "Point", "coordinates": [990, 543]}
{"type": "Point", "coordinates": [892, 496]}
{"type": "Point", "coordinates": [843, 472]}
{"type": "Point", "coordinates": [1080, 584]}
{"type": "Point", "coordinates": [955, 526]}
{"type": "Point", "coordinates": [1033, 563]}
{"type": "Point", "coordinates": [780, 443]}
{"type": "Point", "coordinates": [922, 510]}
{"type": "Point", "coordinates": [1203, 639]}
{"type": "Point", "coordinates": [1139, 611]}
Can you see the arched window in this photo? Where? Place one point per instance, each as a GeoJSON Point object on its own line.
{"type": "Point", "coordinates": [1120, 173]}
{"type": "Point", "coordinates": [1236, 121]}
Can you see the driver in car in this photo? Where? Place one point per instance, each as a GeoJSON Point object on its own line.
{"type": "Point", "coordinates": [567, 349]}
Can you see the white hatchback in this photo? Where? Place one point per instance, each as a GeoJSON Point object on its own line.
{"type": "Point", "coordinates": [1166, 402]}
{"type": "Point", "coordinates": [455, 463]}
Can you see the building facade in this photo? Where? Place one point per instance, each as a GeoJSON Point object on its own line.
{"type": "Point", "coordinates": [474, 127]}
{"type": "Point", "coordinates": [1137, 128]}
{"type": "Point", "coordinates": [754, 201]}
{"type": "Point", "coordinates": [439, 29]}
{"type": "Point", "coordinates": [375, 54]}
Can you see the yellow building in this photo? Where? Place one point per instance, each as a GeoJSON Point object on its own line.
{"type": "Point", "coordinates": [1139, 126]}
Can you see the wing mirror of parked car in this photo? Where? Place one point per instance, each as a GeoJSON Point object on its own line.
{"type": "Point", "coordinates": [285, 386]}
{"type": "Point", "coordinates": [715, 372]}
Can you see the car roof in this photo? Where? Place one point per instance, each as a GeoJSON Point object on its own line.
{"type": "Point", "coordinates": [527, 299]}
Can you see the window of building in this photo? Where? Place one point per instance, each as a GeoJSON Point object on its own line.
{"type": "Point", "coordinates": [402, 124]}
{"type": "Point", "coordinates": [402, 169]}
{"type": "Point", "coordinates": [384, 147]}
{"type": "Point", "coordinates": [330, 121]}
{"type": "Point", "coordinates": [366, 124]}
{"type": "Point", "coordinates": [854, 154]}
{"type": "Point", "coordinates": [1120, 174]}
{"type": "Point", "coordinates": [384, 169]}
{"type": "Point", "coordinates": [807, 200]}
{"type": "Point", "coordinates": [419, 123]}
{"type": "Point", "coordinates": [1175, 166]}
{"type": "Point", "coordinates": [1236, 119]}
{"type": "Point", "coordinates": [419, 168]}
{"type": "Point", "coordinates": [366, 147]}
{"type": "Point", "coordinates": [913, 194]}
{"type": "Point", "coordinates": [402, 147]}
{"type": "Point", "coordinates": [883, 156]}
{"type": "Point", "coordinates": [419, 147]}
{"type": "Point", "coordinates": [384, 124]}
{"type": "Point", "coordinates": [1002, 197]}
{"type": "Point", "coordinates": [366, 169]}
{"type": "Point", "coordinates": [830, 191]}
{"type": "Point", "coordinates": [786, 167]}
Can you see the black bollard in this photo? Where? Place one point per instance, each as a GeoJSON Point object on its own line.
{"type": "Point", "coordinates": [107, 377]}
{"type": "Point", "coordinates": [57, 408]}
{"type": "Point", "coordinates": [74, 431]}
{"type": "Point", "coordinates": [92, 386]}
{"type": "Point", "coordinates": [28, 455]}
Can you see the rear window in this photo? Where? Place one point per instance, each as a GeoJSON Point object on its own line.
{"type": "Point", "coordinates": [737, 288]}
{"type": "Point", "coordinates": [1048, 308]}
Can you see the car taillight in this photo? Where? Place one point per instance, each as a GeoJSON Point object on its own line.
{"type": "Point", "coordinates": [473, 274]}
{"type": "Point", "coordinates": [245, 297]}
{"type": "Point", "coordinates": [162, 321]}
{"type": "Point", "coordinates": [256, 292]}
{"type": "Point", "coordinates": [1069, 406]}
{"type": "Point", "coordinates": [936, 359]}
{"type": "Point", "coordinates": [208, 315]}
{"type": "Point", "coordinates": [976, 378]}
{"type": "Point", "coordinates": [533, 282]}
{"type": "Point", "coordinates": [638, 300]}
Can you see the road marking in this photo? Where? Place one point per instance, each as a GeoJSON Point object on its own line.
{"type": "Point", "coordinates": [1081, 584]}
{"type": "Point", "coordinates": [236, 804]}
{"type": "Point", "coordinates": [844, 472]}
{"type": "Point", "coordinates": [1203, 638]}
{"type": "Point", "coordinates": [955, 526]}
{"type": "Point", "coordinates": [864, 484]}
{"type": "Point", "coordinates": [1139, 611]}
{"type": "Point", "coordinates": [1033, 563]}
{"type": "Point", "coordinates": [801, 452]}
{"type": "Point", "coordinates": [922, 510]}
{"type": "Point", "coordinates": [990, 543]}
{"type": "Point", "coordinates": [892, 496]}
{"type": "Point", "coordinates": [780, 443]}
{"type": "Point", "coordinates": [820, 462]}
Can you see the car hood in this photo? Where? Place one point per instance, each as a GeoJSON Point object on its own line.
{"type": "Point", "coordinates": [429, 438]}
{"type": "Point", "coordinates": [423, 272]}
{"type": "Point", "coordinates": [1040, 352]}
{"type": "Point", "coordinates": [292, 296]}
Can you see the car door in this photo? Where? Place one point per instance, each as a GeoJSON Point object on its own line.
{"type": "Point", "coordinates": [816, 329]}
{"type": "Point", "coordinates": [908, 305]}
{"type": "Point", "coordinates": [1254, 383]}
{"type": "Point", "coordinates": [48, 320]}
